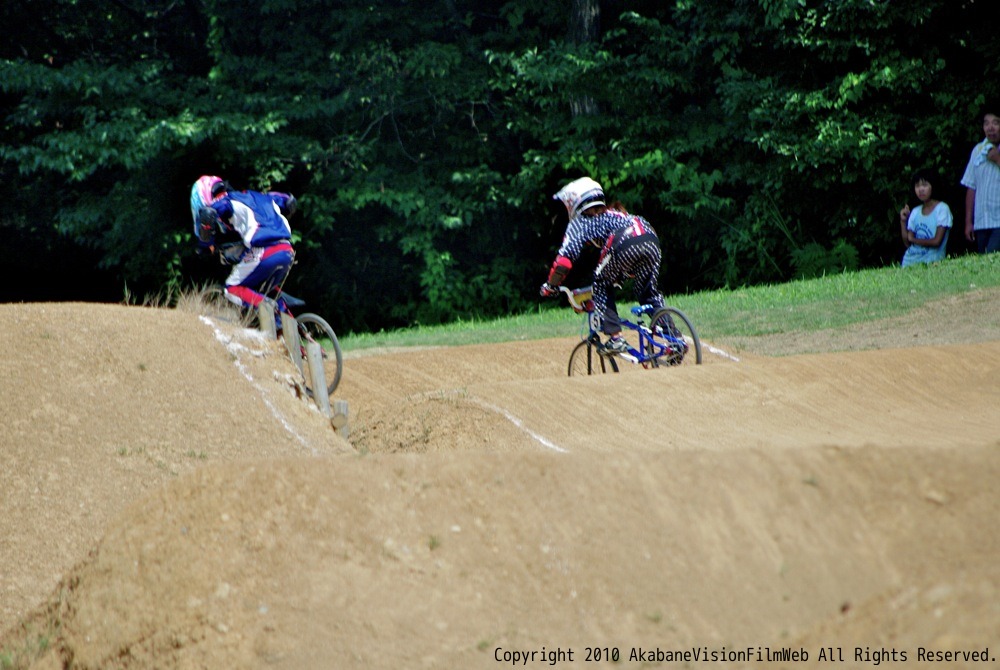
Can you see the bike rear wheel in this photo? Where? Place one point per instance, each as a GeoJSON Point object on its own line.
{"type": "Point", "coordinates": [585, 360]}
{"type": "Point", "coordinates": [672, 328]}
{"type": "Point", "coordinates": [314, 328]}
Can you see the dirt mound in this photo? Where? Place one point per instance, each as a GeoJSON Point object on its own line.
{"type": "Point", "coordinates": [172, 501]}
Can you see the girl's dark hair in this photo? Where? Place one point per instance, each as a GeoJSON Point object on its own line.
{"type": "Point", "coordinates": [927, 175]}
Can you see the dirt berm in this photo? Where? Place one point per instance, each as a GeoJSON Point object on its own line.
{"type": "Point", "coordinates": [169, 500]}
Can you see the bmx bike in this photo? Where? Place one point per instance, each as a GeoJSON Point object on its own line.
{"type": "Point", "coordinates": [667, 338]}
{"type": "Point", "coordinates": [311, 328]}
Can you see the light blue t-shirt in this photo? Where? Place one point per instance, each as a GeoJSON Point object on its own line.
{"type": "Point", "coordinates": [925, 228]}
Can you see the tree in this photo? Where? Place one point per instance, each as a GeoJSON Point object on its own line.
{"type": "Point", "coordinates": [765, 139]}
{"type": "Point", "coordinates": [831, 106]}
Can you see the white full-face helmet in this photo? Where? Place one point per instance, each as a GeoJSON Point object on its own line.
{"type": "Point", "coordinates": [580, 195]}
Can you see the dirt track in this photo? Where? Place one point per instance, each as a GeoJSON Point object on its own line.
{"type": "Point", "coordinates": [169, 501]}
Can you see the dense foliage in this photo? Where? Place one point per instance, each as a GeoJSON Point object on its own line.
{"type": "Point", "coordinates": [765, 139]}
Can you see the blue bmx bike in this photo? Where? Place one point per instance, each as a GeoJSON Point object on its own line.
{"type": "Point", "coordinates": [665, 338]}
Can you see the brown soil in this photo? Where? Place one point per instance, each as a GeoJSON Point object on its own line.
{"type": "Point", "coordinates": [171, 500]}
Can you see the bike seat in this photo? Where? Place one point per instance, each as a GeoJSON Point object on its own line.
{"type": "Point", "coordinates": [292, 301]}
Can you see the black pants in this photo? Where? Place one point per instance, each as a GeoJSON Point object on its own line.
{"type": "Point", "coordinates": [636, 258]}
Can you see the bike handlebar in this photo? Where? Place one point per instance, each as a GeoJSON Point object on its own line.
{"type": "Point", "coordinates": [579, 298]}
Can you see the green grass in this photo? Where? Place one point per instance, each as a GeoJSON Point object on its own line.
{"type": "Point", "coordinates": [806, 305]}
{"type": "Point", "coordinates": [542, 323]}
{"type": "Point", "coordinates": [30, 650]}
{"type": "Point", "coordinates": [841, 300]}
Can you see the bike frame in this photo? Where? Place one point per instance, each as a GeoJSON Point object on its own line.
{"type": "Point", "coordinates": [648, 342]}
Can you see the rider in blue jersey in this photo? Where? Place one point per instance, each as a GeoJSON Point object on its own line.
{"type": "Point", "coordinates": [249, 230]}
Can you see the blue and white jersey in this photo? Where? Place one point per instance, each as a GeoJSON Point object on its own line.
{"type": "Point", "coordinates": [256, 217]}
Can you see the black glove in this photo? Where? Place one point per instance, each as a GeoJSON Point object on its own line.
{"type": "Point", "coordinates": [208, 222]}
{"type": "Point", "coordinates": [291, 206]}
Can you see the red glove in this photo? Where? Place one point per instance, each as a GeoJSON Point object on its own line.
{"type": "Point", "coordinates": [560, 268]}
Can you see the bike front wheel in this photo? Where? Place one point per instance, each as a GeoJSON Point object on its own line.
{"type": "Point", "coordinates": [671, 327]}
{"type": "Point", "coordinates": [585, 360]}
{"type": "Point", "coordinates": [314, 328]}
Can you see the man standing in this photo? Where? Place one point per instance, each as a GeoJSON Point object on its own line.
{"type": "Point", "coordinates": [982, 182]}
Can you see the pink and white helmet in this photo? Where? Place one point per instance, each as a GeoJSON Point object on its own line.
{"type": "Point", "coordinates": [580, 195]}
{"type": "Point", "coordinates": [204, 192]}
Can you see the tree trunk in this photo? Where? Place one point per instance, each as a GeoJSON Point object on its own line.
{"type": "Point", "coordinates": [585, 21]}
{"type": "Point", "coordinates": [584, 27]}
